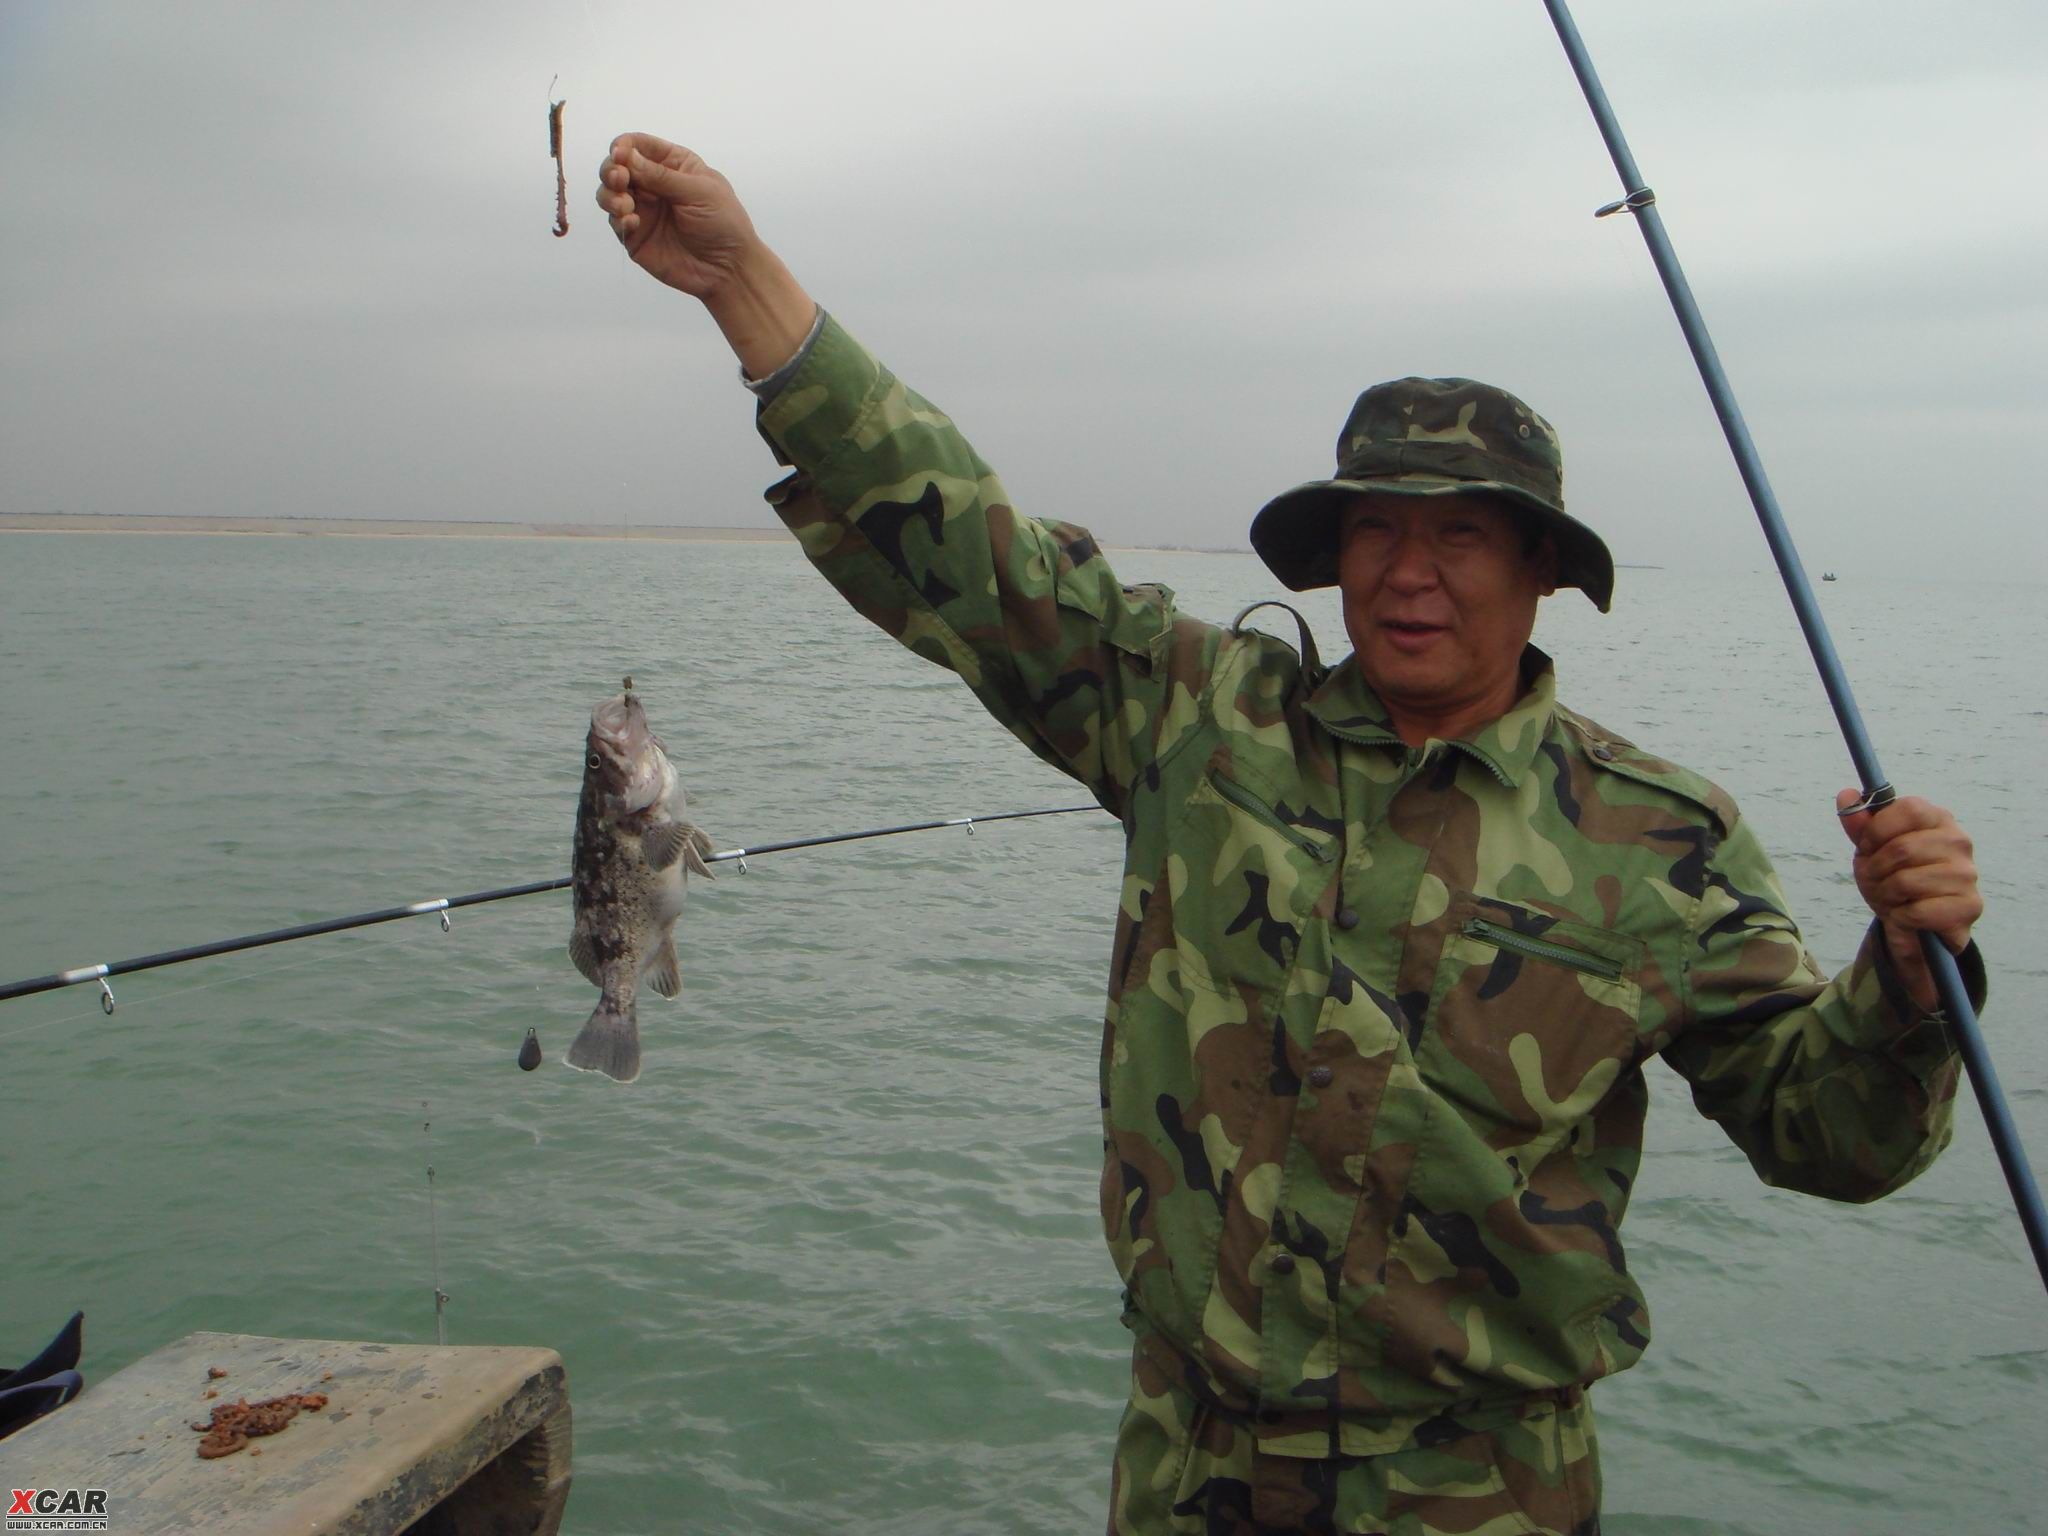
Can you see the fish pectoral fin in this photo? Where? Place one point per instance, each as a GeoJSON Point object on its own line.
{"type": "Point", "coordinates": [663, 845]}
{"type": "Point", "coordinates": [695, 851]}
{"type": "Point", "coordinates": [585, 955]}
{"type": "Point", "coordinates": [665, 974]}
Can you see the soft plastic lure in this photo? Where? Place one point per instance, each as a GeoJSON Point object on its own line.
{"type": "Point", "coordinates": [561, 181]}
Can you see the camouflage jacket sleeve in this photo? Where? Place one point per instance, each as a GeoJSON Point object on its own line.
{"type": "Point", "coordinates": [1842, 1087]}
{"type": "Point", "coordinates": [899, 513]}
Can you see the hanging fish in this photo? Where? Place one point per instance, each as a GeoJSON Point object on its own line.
{"type": "Point", "coordinates": [633, 844]}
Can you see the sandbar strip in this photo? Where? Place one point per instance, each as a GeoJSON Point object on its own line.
{"type": "Point", "coordinates": [380, 528]}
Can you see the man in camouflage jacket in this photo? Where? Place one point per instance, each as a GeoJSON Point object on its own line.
{"type": "Point", "coordinates": [1395, 937]}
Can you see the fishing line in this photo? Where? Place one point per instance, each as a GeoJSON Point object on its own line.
{"type": "Point", "coordinates": [1640, 201]}
{"type": "Point", "coordinates": [434, 1227]}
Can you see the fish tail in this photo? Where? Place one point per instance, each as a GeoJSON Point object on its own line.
{"type": "Point", "coordinates": [609, 1042]}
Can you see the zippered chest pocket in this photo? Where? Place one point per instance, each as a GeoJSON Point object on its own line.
{"type": "Point", "coordinates": [1532, 1018]}
{"type": "Point", "coordinates": [1247, 870]}
{"type": "Point", "coordinates": [1522, 946]}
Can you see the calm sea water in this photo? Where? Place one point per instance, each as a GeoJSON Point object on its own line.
{"type": "Point", "coordinates": [832, 1263]}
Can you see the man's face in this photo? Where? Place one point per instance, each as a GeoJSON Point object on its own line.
{"type": "Point", "coordinates": [1440, 597]}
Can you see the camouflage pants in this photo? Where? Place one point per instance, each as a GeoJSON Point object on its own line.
{"type": "Point", "coordinates": [1181, 1468]}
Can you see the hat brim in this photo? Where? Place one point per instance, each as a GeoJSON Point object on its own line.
{"type": "Point", "coordinates": [1296, 532]}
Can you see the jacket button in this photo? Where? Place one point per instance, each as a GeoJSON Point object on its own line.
{"type": "Point", "coordinates": [1347, 918]}
{"type": "Point", "coordinates": [1321, 1077]}
{"type": "Point", "coordinates": [1283, 1264]}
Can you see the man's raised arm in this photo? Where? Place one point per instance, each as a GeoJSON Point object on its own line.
{"type": "Point", "coordinates": [681, 222]}
{"type": "Point", "coordinates": [892, 505]}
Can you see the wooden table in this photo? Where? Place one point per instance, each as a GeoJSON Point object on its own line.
{"type": "Point", "coordinates": [468, 1441]}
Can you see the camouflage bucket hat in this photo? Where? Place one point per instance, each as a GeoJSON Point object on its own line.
{"type": "Point", "coordinates": [1433, 437]}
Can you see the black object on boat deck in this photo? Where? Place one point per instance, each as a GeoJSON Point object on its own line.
{"type": "Point", "coordinates": [49, 1381]}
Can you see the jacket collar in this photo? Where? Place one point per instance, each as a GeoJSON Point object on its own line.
{"type": "Point", "coordinates": [1347, 706]}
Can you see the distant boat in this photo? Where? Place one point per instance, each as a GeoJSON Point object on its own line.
{"type": "Point", "coordinates": [1827, 575]}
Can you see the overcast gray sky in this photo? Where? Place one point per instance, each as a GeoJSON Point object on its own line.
{"type": "Point", "coordinates": [296, 259]}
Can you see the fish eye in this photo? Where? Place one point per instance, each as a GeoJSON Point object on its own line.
{"type": "Point", "coordinates": [594, 760]}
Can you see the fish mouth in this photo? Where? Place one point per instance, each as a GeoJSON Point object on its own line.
{"type": "Point", "coordinates": [619, 718]}
{"type": "Point", "coordinates": [624, 755]}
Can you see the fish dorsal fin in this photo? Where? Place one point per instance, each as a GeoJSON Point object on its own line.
{"type": "Point", "coordinates": [664, 972]}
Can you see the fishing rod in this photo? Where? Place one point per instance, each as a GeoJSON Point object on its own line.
{"type": "Point", "coordinates": [78, 975]}
{"type": "Point", "coordinates": [1639, 200]}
